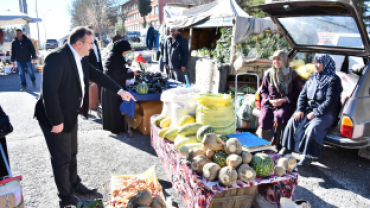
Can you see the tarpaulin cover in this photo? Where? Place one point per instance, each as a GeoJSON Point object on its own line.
{"type": "Point", "coordinates": [245, 25]}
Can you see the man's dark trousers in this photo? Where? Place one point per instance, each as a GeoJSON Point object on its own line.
{"type": "Point", "coordinates": [63, 150]}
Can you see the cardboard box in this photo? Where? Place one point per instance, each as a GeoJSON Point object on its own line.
{"type": "Point", "coordinates": [147, 110]}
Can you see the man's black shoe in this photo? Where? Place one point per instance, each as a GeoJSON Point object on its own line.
{"type": "Point", "coordinates": [83, 190]}
{"type": "Point", "coordinates": [72, 201]}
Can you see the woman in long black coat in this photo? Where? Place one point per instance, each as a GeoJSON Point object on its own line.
{"type": "Point", "coordinates": [317, 110]}
{"type": "Point", "coordinates": [114, 67]}
{"type": "Point", "coordinates": [5, 128]}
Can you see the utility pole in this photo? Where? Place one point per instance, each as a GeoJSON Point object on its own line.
{"type": "Point", "coordinates": [23, 8]}
{"type": "Point", "coordinates": [37, 16]}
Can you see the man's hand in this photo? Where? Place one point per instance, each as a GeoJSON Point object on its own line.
{"type": "Point", "coordinates": [298, 116]}
{"type": "Point", "coordinates": [183, 68]}
{"type": "Point", "coordinates": [311, 116]}
{"type": "Point", "coordinates": [57, 129]}
{"type": "Point", "coordinates": [126, 95]}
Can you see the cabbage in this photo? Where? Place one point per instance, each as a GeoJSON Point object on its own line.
{"type": "Point", "coordinates": [194, 53]}
{"type": "Point", "coordinates": [207, 52]}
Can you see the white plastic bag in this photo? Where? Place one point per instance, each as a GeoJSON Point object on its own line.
{"type": "Point", "coordinates": [238, 64]}
{"type": "Point", "coordinates": [183, 105]}
{"type": "Point", "coordinates": [166, 110]}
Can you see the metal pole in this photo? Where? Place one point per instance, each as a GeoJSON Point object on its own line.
{"type": "Point", "coordinates": [190, 37]}
{"type": "Point", "coordinates": [44, 26]}
{"type": "Point", "coordinates": [37, 15]}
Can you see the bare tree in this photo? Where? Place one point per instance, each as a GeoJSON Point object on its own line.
{"type": "Point", "coordinates": [99, 13]}
{"type": "Point", "coordinates": [195, 2]}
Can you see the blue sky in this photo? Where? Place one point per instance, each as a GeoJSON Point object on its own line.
{"type": "Point", "coordinates": [56, 21]}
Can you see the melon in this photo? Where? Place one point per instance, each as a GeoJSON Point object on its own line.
{"type": "Point", "coordinates": [189, 129]}
{"type": "Point", "coordinates": [262, 164]}
{"type": "Point", "coordinates": [204, 130]}
{"type": "Point", "coordinates": [142, 89]}
{"type": "Point", "coordinates": [220, 158]}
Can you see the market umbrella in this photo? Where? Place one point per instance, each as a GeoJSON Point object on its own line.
{"type": "Point", "coordinates": [8, 17]}
{"type": "Point", "coordinates": [140, 59]}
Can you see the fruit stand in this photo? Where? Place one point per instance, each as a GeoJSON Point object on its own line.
{"type": "Point", "coordinates": [196, 191]}
{"type": "Point", "coordinates": [208, 163]}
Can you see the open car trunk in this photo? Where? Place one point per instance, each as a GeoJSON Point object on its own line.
{"type": "Point", "coordinates": [335, 28]}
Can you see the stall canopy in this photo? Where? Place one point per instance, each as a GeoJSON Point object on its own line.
{"type": "Point", "coordinates": [219, 13]}
{"type": "Point", "coordinates": [8, 17]}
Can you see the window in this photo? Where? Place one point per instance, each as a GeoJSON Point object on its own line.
{"type": "Point", "coordinates": [156, 11]}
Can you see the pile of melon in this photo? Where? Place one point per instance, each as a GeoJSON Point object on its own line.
{"type": "Point", "coordinates": [218, 157]}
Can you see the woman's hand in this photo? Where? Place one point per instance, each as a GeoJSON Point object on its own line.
{"type": "Point", "coordinates": [311, 116]}
{"type": "Point", "coordinates": [298, 116]}
{"type": "Point", "coordinates": [137, 73]}
{"type": "Point", "coordinates": [277, 102]}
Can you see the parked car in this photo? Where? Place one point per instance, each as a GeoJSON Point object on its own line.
{"type": "Point", "coordinates": [132, 34]}
{"type": "Point", "coordinates": [305, 25]}
{"type": "Point", "coordinates": [51, 44]}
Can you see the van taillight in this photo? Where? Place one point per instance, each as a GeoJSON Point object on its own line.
{"type": "Point", "coordinates": [347, 127]}
{"type": "Point", "coordinates": [257, 100]}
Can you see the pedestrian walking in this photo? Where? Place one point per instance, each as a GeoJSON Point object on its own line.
{"type": "Point", "coordinates": [150, 36]}
{"type": "Point", "coordinates": [64, 95]}
{"type": "Point", "coordinates": [162, 42]}
{"type": "Point", "coordinates": [176, 54]}
{"type": "Point", "coordinates": [22, 51]}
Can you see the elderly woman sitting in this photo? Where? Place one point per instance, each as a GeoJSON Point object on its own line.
{"type": "Point", "coordinates": [317, 110]}
{"type": "Point", "coordinates": [279, 91]}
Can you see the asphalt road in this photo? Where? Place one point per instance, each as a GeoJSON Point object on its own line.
{"type": "Point", "coordinates": [339, 179]}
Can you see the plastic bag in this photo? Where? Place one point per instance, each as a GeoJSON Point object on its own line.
{"type": "Point", "coordinates": [183, 105]}
{"type": "Point", "coordinates": [121, 183]}
{"type": "Point", "coordinates": [238, 64]}
{"type": "Point", "coordinates": [216, 111]}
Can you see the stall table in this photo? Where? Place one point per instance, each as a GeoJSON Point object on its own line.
{"type": "Point", "coordinates": [196, 191]}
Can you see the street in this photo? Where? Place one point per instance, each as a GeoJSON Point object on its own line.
{"type": "Point", "coordinates": [339, 179]}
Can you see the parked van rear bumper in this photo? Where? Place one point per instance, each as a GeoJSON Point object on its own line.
{"type": "Point", "coordinates": [339, 141]}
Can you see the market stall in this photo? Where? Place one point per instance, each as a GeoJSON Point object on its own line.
{"type": "Point", "coordinates": [214, 30]}
{"type": "Point", "coordinates": [212, 165]}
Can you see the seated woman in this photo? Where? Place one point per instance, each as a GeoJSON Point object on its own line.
{"type": "Point", "coordinates": [279, 92]}
{"type": "Point", "coordinates": [317, 110]}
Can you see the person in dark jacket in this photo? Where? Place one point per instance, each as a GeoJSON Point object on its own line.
{"type": "Point", "coordinates": [22, 51]}
{"type": "Point", "coordinates": [114, 67]}
{"type": "Point", "coordinates": [162, 42]}
{"type": "Point", "coordinates": [116, 37]}
{"type": "Point", "coordinates": [317, 110]}
{"type": "Point", "coordinates": [150, 37]}
{"type": "Point", "coordinates": [5, 128]}
{"type": "Point", "coordinates": [176, 54]}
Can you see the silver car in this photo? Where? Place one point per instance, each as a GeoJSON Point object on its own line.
{"type": "Point", "coordinates": [333, 27]}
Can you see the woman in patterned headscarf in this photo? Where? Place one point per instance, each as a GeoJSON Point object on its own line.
{"type": "Point", "coordinates": [317, 110]}
{"type": "Point", "coordinates": [279, 92]}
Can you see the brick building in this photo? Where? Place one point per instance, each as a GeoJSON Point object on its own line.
{"type": "Point", "coordinates": [134, 20]}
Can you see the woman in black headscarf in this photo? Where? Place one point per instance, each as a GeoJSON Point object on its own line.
{"type": "Point", "coordinates": [115, 67]}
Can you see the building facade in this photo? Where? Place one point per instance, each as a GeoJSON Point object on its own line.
{"type": "Point", "coordinates": [134, 20]}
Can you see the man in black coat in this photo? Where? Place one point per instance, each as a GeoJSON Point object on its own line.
{"type": "Point", "coordinates": [22, 51]}
{"type": "Point", "coordinates": [64, 95]}
{"type": "Point", "coordinates": [176, 54]}
{"type": "Point", "coordinates": [96, 61]}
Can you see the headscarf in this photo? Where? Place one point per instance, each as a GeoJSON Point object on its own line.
{"type": "Point", "coordinates": [327, 72]}
{"type": "Point", "coordinates": [282, 77]}
{"type": "Point", "coordinates": [120, 46]}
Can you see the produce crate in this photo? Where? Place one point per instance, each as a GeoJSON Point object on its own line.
{"type": "Point", "coordinates": [237, 198]}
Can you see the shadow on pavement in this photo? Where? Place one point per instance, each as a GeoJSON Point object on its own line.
{"type": "Point", "coordinates": [138, 141]}
{"type": "Point", "coordinates": [312, 198]}
{"type": "Point", "coordinates": [340, 169]}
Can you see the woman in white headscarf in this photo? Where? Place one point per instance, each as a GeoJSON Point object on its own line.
{"type": "Point", "coordinates": [279, 92]}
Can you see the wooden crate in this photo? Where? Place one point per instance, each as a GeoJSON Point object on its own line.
{"type": "Point", "coordinates": [236, 198]}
